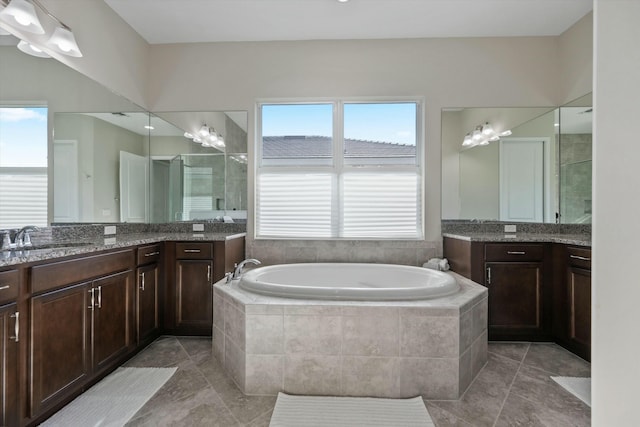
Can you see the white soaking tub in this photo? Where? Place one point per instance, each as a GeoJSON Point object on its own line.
{"type": "Point", "coordinates": [349, 281]}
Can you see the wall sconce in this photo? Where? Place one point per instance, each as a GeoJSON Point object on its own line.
{"type": "Point", "coordinates": [483, 135]}
{"type": "Point", "coordinates": [208, 137]}
{"type": "Point", "coordinates": [23, 16]}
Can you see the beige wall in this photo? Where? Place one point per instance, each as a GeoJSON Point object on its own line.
{"type": "Point", "coordinates": [437, 69]}
{"type": "Point", "coordinates": [576, 60]}
{"type": "Point", "coordinates": [616, 228]}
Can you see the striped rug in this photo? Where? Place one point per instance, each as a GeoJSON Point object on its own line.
{"type": "Point", "coordinates": [114, 400]}
{"type": "Point", "coordinates": [318, 411]}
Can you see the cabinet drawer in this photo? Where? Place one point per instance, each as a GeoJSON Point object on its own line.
{"type": "Point", "coordinates": [513, 252]}
{"type": "Point", "coordinates": [579, 257]}
{"type": "Point", "coordinates": [148, 254]}
{"type": "Point", "coordinates": [8, 285]}
{"type": "Point", "coordinates": [188, 250]}
{"type": "Point", "coordinates": [56, 274]}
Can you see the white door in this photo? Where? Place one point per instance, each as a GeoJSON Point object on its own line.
{"type": "Point", "coordinates": [134, 185]}
{"type": "Point", "coordinates": [66, 206]}
{"type": "Point", "coordinates": [522, 180]}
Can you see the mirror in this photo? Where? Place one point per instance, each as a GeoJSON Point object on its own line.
{"type": "Point", "coordinates": [29, 82]}
{"type": "Point", "coordinates": [92, 163]}
{"type": "Point", "coordinates": [203, 182]}
{"type": "Point", "coordinates": [540, 172]}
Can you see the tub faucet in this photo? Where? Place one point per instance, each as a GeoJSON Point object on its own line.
{"type": "Point", "coordinates": [239, 267]}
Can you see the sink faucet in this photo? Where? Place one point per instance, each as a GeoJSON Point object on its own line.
{"type": "Point", "coordinates": [239, 267]}
{"type": "Point", "coordinates": [22, 236]}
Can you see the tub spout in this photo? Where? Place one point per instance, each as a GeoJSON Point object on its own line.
{"type": "Point", "coordinates": [239, 267]}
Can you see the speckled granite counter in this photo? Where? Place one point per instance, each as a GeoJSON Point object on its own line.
{"type": "Point", "coordinates": [567, 239]}
{"type": "Point", "coordinates": [83, 246]}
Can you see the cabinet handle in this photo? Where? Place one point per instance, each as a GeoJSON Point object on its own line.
{"type": "Point", "coordinates": [142, 286]}
{"type": "Point", "coordinates": [488, 275]}
{"type": "Point", "coordinates": [99, 296]}
{"type": "Point", "coordinates": [581, 258]}
{"type": "Point", "coordinates": [516, 252]}
{"type": "Point", "coordinates": [192, 251]}
{"type": "Point", "coordinates": [16, 328]}
{"type": "Point", "coordinates": [209, 273]}
{"type": "Point", "coordinates": [2, 288]}
{"type": "Point", "coordinates": [93, 299]}
{"type": "Point", "coordinates": [152, 253]}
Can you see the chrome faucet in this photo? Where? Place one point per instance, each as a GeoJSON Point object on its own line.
{"type": "Point", "coordinates": [237, 272]}
{"type": "Point", "coordinates": [22, 238]}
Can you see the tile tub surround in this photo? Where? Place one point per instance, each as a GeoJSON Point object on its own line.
{"type": "Point", "coordinates": [433, 348]}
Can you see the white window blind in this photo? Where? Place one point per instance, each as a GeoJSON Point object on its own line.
{"type": "Point", "coordinates": [380, 205]}
{"type": "Point", "coordinates": [352, 174]}
{"type": "Point", "coordinates": [23, 199]}
{"type": "Point", "coordinates": [294, 205]}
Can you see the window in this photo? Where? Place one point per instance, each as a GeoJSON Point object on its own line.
{"type": "Point", "coordinates": [339, 169]}
{"type": "Point", "coordinates": [23, 167]}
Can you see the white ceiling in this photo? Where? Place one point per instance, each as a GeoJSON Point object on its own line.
{"type": "Point", "coordinates": [191, 21]}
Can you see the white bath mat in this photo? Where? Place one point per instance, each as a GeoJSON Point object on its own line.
{"type": "Point", "coordinates": [114, 400]}
{"type": "Point", "coordinates": [579, 387]}
{"type": "Point", "coordinates": [318, 411]}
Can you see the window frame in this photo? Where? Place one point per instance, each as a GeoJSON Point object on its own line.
{"type": "Point", "coordinates": [338, 167]}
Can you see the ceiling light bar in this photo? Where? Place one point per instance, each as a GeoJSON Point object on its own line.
{"type": "Point", "coordinates": [483, 135]}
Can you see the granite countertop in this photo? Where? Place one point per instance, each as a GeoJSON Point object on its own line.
{"type": "Point", "coordinates": [78, 247]}
{"type": "Point", "coordinates": [567, 239]}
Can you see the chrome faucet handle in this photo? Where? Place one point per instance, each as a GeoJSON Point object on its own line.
{"type": "Point", "coordinates": [6, 240]}
{"type": "Point", "coordinates": [26, 239]}
{"type": "Point", "coordinates": [237, 272]}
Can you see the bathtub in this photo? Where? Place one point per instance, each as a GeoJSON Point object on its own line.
{"type": "Point", "coordinates": [359, 282]}
{"type": "Point", "coordinates": [428, 343]}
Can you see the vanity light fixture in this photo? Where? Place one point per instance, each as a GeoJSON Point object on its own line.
{"type": "Point", "coordinates": [32, 50]}
{"type": "Point", "coordinates": [23, 16]}
{"type": "Point", "coordinates": [149, 127]}
{"type": "Point", "coordinates": [208, 137]}
{"type": "Point", "coordinates": [483, 135]}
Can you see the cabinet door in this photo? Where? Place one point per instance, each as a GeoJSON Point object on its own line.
{"type": "Point", "coordinates": [193, 296]}
{"type": "Point", "coordinates": [515, 298]}
{"type": "Point", "coordinates": [579, 292]}
{"type": "Point", "coordinates": [147, 302]}
{"type": "Point", "coordinates": [60, 326]}
{"type": "Point", "coordinates": [9, 337]}
{"type": "Point", "coordinates": [113, 332]}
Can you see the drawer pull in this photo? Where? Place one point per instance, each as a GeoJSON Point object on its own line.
{"type": "Point", "coordinates": [16, 328]}
{"type": "Point", "coordinates": [2, 288]}
{"type": "Point", "coordinates": [192, 251]}
{"type": "Point", "coordinates": [488, 275]}
{"type": "Point", "coordinates": [152, 254]}
{"type": "Point", "coordinates": [99, 296]}
{"type": "Point", "coordinates": [516, 253]}
{"type": "Point", "coordinates": [581, 258]}
{"type": "Point", "coordinates": [209, 273]}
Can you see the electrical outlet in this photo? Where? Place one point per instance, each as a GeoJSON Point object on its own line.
{"type": "Point", "coordinates": [510, 228]}
{"type": "Point", "coordinates": [109, 229]}
{"type": "Point", "coordinates": [198, 227]}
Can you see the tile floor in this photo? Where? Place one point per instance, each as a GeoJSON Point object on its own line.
{"type": "Point", "coordinates": [513, 388]}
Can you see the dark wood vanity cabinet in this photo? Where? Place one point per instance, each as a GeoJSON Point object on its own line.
{"type": "Point", "coordinates": [518, 298]}
{"type": "Point", "coordinates": [78, 330]}
{"type": "Point", "coordinates": [573, 300]}
{"type": "Point", "coordinates": [196, 266]}
{"type": "Point", "coordinates": [148, 293]}
{"type": "Point", "coordinates": [10, 337]}
{"type": "Point", "coordinates": [516, 275]}
{"type": "Point", "coordinates": [537, 291]}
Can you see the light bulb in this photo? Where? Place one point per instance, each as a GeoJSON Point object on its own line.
{"type": "Point", "coordinates": [477, 135]}
{"type": "Point", "coordinates": [487, 129]}
{"type": "Point", "coordinates": [188, 135]}
{"type": "Point", "coordinates": [204, 130]}
{"type": "Point", "coordinates": [63, 41]}
{"type": "Point", "coordinates": [468, 141]}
